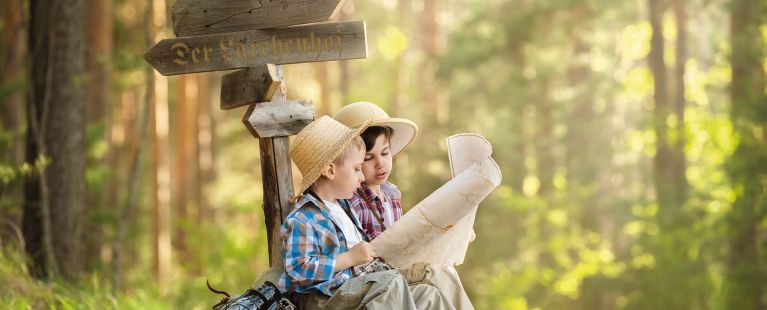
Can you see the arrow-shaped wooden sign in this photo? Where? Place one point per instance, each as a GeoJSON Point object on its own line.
{"type": "Point", "coordinates": [278, 119]}
{"type": "Point", "coordinates": [317, 42]}
{"type": "Point", "coordinates": [197, 17]}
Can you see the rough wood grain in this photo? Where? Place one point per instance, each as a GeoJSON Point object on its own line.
{"type": "Point", "coordinates": [277, 119]}
{"type": "Point", "coordinates": [311, 43]}
{"type": "Point", "coordinates": [278, 188]}
{"type": "Point", "coordinates": [197, 17]}
{"type": "Point", "coordinates": [249, 86]}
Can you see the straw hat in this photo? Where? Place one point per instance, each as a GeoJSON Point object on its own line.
{"type": "Point", "coordinates": [318, 144]}
{"type": "Point", "coordinates": [355, 114]}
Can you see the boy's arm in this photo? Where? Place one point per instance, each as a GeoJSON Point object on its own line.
{"type": "Point", "coordinates": [304, 262]}
{"type": "Point", "coordinates": [359, 254]}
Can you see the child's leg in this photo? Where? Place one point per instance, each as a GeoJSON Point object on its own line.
{"type": "Point", "coordinates": [444, 279]}
{"type": "Point", "coordinates": [378, 290]}
{"type": "Point", "coordinates": [427, 296]}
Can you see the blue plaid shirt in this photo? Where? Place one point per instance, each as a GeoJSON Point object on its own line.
{"type": "Point", "coordinates": [311, 243]}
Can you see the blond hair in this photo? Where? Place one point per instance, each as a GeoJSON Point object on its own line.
{"type": "Point", "coordinates": [356, 144]}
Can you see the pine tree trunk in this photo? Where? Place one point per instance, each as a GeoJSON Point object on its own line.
{"type": "Point", "coordinates": [57, 98]}
{"type": "Point", "coordinates": [663, 160]}
{"type": "Point", "coordinates": [203, 138]}
{"type": "Point", "coordinates": [13, 76]}
{"type": "Point", "coordinates": [678, 141]}
{"type": "Point", "coordinates": [99, 111]}
{"type": "Point", "coordinates": [157, 85]}
{"type": "Point", "coordinates": [181, 172]}
{"type": "Point", "coordinates": [14, 48]}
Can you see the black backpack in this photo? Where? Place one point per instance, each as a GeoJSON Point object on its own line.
{"type": "Point", "coordinates": [265, 297]}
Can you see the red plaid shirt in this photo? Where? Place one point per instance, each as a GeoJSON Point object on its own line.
{"type": "Point", "coordinates": [368, 220]}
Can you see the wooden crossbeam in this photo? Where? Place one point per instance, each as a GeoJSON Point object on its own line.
{"type": "Point", "coordinates": [197, 17]}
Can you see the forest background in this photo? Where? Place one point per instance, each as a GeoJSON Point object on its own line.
{"type": "Point", "coordinates": [632, 136]}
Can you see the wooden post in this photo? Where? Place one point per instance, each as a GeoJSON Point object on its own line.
{"type": "Point", "coordinates": [278, 188]}
{"type": "Point", "coordinates": [277, 181]}
{"type": "Point", "coordinates": [276, 176]}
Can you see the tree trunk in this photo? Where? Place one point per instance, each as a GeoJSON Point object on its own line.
{"type": "Point", "coordinates": [12, 104]}
{"type": "Point", "coordinates": [744, 278]}
{"type": "Point", "coordinates": [185, 86]}
{"type": "Point", "coordinates": [99, 111]}
{"type": "Point", "coordinates": [584, 148]}
{"type": "Point", "coordinates": [678, 141]}
{"type": "Point", "coordinates": [663, 161]}
{"type": "Point", "coordinates": [157, 85]}
{"type": "Point", "coordinates": [204, 153]}
{"type": "Point", "coordinates": [13, 57]}
{"type": "Point", "coordinates": [431, 48]}
{"type": "Point", "coordinates": [515, 170]}
{"type": "Point", "coordinates": [99, 58]}
{"type": "Point", "coordinates": [57, 36]}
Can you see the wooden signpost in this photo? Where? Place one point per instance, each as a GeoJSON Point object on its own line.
{"type": "Point", "coordinates": [225, 51]}
{"type": "Point", "coordinates": [213, 36]}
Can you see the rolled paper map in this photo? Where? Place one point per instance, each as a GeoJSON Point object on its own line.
{"type": "Point", "coordinates": [466, 149]}
{"type": "Point", "coordinates": [439, 228]}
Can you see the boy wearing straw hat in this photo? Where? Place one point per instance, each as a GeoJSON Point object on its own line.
{"type": "Point", "coordinates": [377, 202]}
{"type": "Point", "coordinates": [323, 242]}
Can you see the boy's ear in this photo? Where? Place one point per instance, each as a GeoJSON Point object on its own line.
{"type": "Point", "coordinates": [330, 171]}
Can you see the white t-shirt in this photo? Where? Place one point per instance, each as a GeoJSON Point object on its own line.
{"type": "Point", "coordinates": [343, 221]}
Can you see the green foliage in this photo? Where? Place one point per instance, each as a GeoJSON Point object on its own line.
{"type": "Point", "coordinates": [18, 290]}
{"type": "Point", "coordinates": [562, 90]}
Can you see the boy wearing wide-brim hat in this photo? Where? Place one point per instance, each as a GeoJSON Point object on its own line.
{"type": "Point", "coordinates": [322, 239]}
{"type": "Point", "coordinates": [377, 202]}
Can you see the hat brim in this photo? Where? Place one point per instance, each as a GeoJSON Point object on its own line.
{"type": "Point", "coordinates": [327, 157]}
{"type": "Point", "coordinates": [404, 133]}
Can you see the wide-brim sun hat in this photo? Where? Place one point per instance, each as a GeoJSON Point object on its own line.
{"type": "Point", "coordinates": [318, 144]}
{"type": "Point", "coordinates": [355, 114]}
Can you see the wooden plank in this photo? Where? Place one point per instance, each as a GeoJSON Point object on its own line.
{"type": "Point", "coordinates": [249, 86]}
{"type": "Point", "coordinates": [197, 17]}
{"type": "Point", "coordinates": [311, 43]}
{"type": "Point", "coordinates": [278, 188]}
{"type": "Point", "coordinates": [277, 119]}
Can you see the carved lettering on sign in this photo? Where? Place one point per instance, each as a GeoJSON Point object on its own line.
{"type": "Point", "coordinates": [320, 42]}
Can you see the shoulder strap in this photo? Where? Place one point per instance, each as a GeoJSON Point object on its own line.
{"type": "Point", "coordinates": [348, 213]}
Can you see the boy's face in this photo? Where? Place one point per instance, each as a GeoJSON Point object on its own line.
{"type": "Point", "coordinates": [348, 175]}
{"type": "Point", "coordinates": [377, 165]}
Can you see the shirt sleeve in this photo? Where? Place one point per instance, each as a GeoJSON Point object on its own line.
{"type": "Point", "coordinates": [305, 265]}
